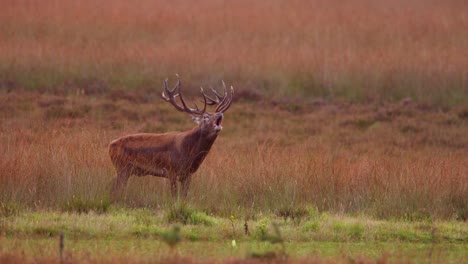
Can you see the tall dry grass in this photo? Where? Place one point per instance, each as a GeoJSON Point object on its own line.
{"type": "Point", "coordinates": [413, 165]}
{"type": "Point", "coordinates": [359, 50]}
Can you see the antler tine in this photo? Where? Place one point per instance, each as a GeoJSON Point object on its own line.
{"type": "Point", "coordinates": [211, 101]}
{"type": "Point", "coordinates": [170, 95]}
{"type": "Point", "coordinates": [225, 106]}
{"type": "Point", "coordinates": [188, 109]}
{"type": "Point", "coordinates": [166, 89]}
{"type": "Point", "coordinates": [223, 101]}
{"type": "Point", "coordinates": [220, 97]}
{"type": "Point", "coordinates": [180, 94]}
{"type": "Point", "coordinates": [204, 99]}
{"type": "Point", "coordinates": [224, 97]}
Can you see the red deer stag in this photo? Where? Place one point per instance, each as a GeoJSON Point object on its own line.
{"type": "Point", "coordinates": [173, 155]}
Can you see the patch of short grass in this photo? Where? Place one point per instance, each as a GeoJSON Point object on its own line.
{"type": "Point", "coordinates": [182, 213]}
{"type": "Point", "coordinates": [81, 205]}
{"type": "Point", "coordinates": [145, 223]}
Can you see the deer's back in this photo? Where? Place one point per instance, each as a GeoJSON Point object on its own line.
{"type": "Point", "coordinates": [143, 150]}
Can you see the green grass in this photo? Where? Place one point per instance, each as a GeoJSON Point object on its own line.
{"type": "Point", "coordinates": [181, 212]}
{"type": "Point", "coordinates": [80, 205]}
{"type": "Point", "coordinates": [138, 234]}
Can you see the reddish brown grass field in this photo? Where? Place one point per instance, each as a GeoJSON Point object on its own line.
{"type": "Point", "coordinates": [345, 113]}
{"type": "Point", "coordinates": [76, 75]}
{"type": "Point", "coordinates": [385, 160]}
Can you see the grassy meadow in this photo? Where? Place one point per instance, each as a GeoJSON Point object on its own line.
{"type": "Point", "coordinates": [347, 140]}
{"type": "Point", "coordinates": [141, 236]}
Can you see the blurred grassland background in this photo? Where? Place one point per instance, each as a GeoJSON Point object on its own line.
{"type": "Point", "coordinates": [355, 107]}
{"type": "Point", "coordinates": [356, 50]}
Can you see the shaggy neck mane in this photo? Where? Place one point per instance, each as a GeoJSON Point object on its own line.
{"type": "Point", "coordinates": [197, 143]}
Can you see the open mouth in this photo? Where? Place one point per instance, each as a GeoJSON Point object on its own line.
{"type": "Point", "coordinates": [218, 123]}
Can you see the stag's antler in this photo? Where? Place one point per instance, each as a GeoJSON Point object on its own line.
{"type": "Point", "coordinates": [223, 101]}
{"type": "Point", "coordinates": [172, 94]}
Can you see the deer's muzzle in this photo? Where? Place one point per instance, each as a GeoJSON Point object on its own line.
{"type": "Point", "coordinates": [218, 122]}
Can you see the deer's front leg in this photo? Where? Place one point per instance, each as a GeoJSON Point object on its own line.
{"type": "Point", "coordinates": [185, 184]}
{"type": "Point", "coordinates": [173, 181]}
{"type": "Point", "coordinates": [119, 183]}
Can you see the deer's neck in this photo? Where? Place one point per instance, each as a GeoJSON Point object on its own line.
{"type": "Point", "coordinates": [197, 145]}
{"type": "Point", "coordinates": [199, 142]}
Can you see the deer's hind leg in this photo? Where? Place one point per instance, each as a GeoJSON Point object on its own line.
{"type": "Point", "coordinates": [172, 177]}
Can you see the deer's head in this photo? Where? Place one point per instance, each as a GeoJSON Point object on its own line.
{"type": "Point", "coordinates": [209, 123]}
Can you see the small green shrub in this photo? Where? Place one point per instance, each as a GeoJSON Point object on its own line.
{"type": "Point", "coordinates": [406, 235]}
{"type": "Point", "coordinates": [184, 214]}
{"type": "Point", "coordinates": [274, 238]}
{"type": "Point", "coordinates": [418, 216]}
{"type": "Point", "coordinates": [293, 213]}
{"type": "Point", "coordinates": [313, 213]}
{"type": "Point", "coordinates": [144, 217]}
{"type": "Point", "coordinates": [193, 236]}
{"type": "Point", "coordinates": [80, 205]}
{"type": "Point", "coordinates": [344, 230]}
{"type": "Point", "coordinates": [312, 225]}
{"type": "Point", "coordinates": [338, 227]}
{"type": "Point", "coordinates": [261, 230]}
{"type": "Point", "coordinates": [197, 218]}
{"type": "Point", "coordinates": [355, 231]}
{"type": "Point", "coordinates": [172, 237]}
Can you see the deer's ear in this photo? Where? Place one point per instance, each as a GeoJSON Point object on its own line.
{"type": "Point", "coordinates": [196, 119]}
